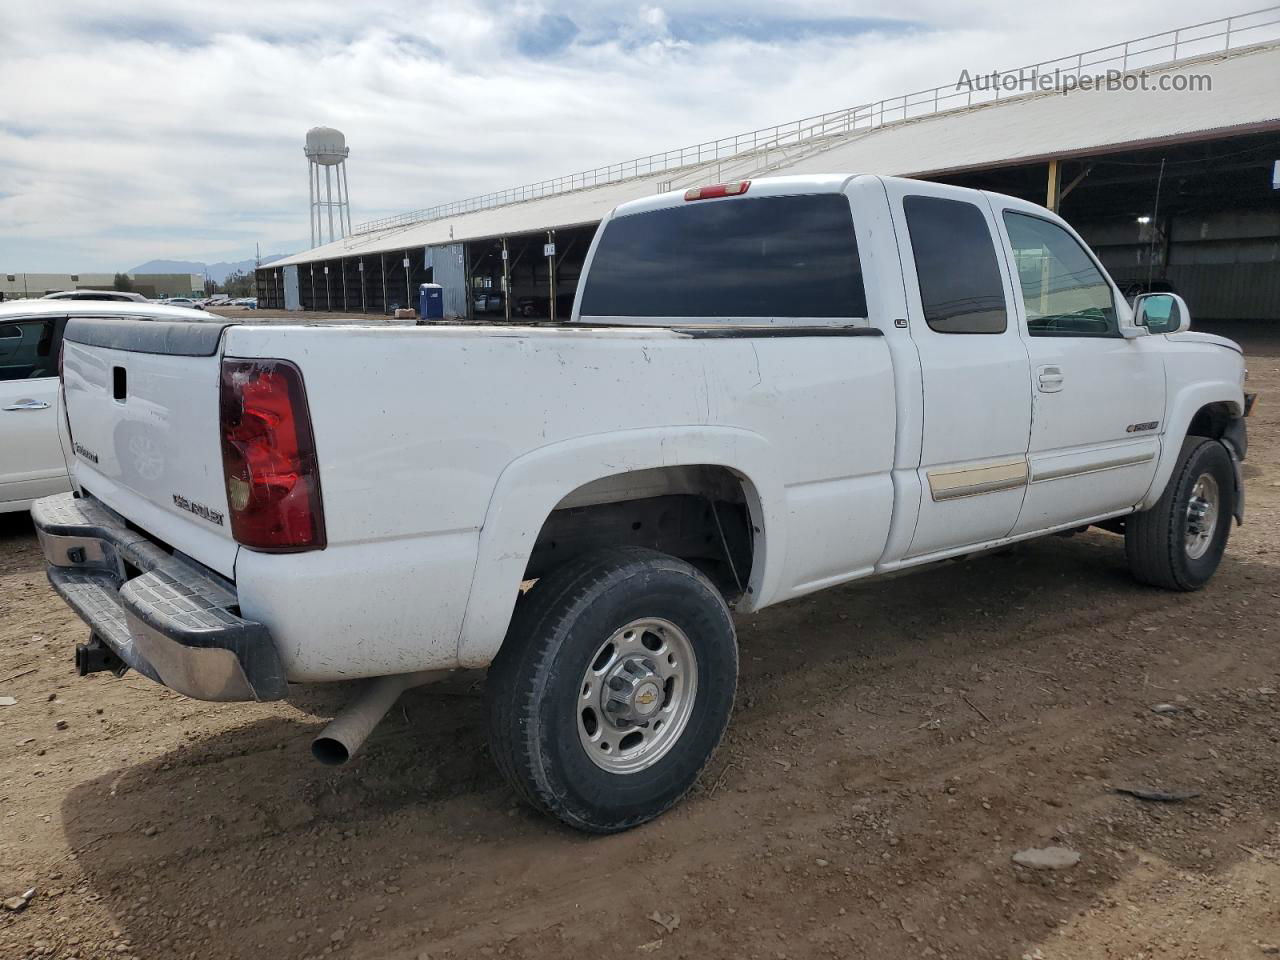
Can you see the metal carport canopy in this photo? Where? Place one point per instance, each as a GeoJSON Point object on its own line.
{"type": "Point", "coordinates": [1243, 99]}
{"type": "Point", "coordinates": [1020, 129]}
{"type": "Point", "coordinates": [556, 212]}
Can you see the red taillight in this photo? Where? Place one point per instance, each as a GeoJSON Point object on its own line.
{"type": "Point", "coordinates": [717, 190]}
{"type": "Point", "coordinates": [269, 457]}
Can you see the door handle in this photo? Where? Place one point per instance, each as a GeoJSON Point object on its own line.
{"type": "Point", "coordinates": [1051, 379]}
{"type": "Point", "coordinates": [28, 405]}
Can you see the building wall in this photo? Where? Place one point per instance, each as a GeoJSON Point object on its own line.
{"type": "Point", "coordinates": [168, 284]}
{"type": "Point", "coordinates": [447, 263]}
{"type": "Point", "coordinates": [16, 286]}
{"type": "Point", "coordinates": [1226, 265]}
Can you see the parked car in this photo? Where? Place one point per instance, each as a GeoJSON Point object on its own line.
{"type": "Point", "coordinates": [187, 302]}
{"type": "Point", "coordinates": [533, 307]}
{"type": "Point", "coordinates": [771, 388]}
{"type": "Point", "coordinates": [99, 295]}
{"type": "Point", "coordinates": [31, 463]}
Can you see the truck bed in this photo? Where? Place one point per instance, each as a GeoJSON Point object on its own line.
{"type": "Point", "coordinates": [443, 448]}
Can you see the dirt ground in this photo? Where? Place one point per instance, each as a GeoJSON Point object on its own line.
{"type": "Point", "coordinates": [894, 744]}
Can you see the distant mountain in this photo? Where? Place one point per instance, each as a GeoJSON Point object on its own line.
{"type": "Point", "coordinates": [218, 272]}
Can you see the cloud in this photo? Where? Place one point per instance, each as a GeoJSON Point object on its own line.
{"type": "Point", "coordinates": [549, 34]}
{"type": "Point", "coordinates": [174, 129]}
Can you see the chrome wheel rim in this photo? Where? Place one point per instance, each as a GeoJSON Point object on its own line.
{"type": "Point", "coordinates": [636, 695]}
{"type": "Point", "coordinates": [1202, 516]}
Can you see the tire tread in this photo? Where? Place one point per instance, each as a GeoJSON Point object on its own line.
{"type": "Point", "coordinates": [1153, 536]}
{"type": "Point", "coordinates": [516, 674]}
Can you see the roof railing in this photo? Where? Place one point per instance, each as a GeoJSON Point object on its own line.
{"type": "Point", "coordinates": [1156, 49]}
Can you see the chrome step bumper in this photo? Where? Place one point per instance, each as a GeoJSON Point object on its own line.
{"type": "Point", "coordinates": [163, 614]}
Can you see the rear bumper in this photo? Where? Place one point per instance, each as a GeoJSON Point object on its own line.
{"type": "Point", "coordinates": [162, 614]}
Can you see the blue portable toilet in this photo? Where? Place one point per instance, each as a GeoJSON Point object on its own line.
{"type": "Point", "coordinates": [430, 301]}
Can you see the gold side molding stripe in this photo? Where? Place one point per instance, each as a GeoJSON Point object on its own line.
{"type": "Point", "coordinates": [1059, 473]}
{"type": "Point", "coordinates": [978, 478]}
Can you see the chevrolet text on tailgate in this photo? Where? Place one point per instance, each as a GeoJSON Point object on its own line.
{"type": "Point", "coordinates": [766, 389]}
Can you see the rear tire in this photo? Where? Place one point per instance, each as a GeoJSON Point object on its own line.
{"type": "Point", "coordinates": [613, 688]}
{"type": "Point", "coordinates": [1179, 542]}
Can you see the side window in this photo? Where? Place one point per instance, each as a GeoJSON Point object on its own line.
{"type": "Point", "coordinates": [956, 266]}
{"type": "Point", "coordinates": [27, 350]}
{"type": "Point", "coordinates": [1064, 292]}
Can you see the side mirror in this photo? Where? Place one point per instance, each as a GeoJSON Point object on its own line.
{"type": "Point", "coordinates": [1161, 313]}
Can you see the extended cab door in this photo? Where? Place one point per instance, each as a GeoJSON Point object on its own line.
{"type": "Point", "coordinates": [974, 367]}
{"type": "Point", "coordinates": [1098, 397]}
{"type": "Point", "coordinates": [31, 463]}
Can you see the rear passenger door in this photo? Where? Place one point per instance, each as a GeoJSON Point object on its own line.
{"type": "Point", "coordinates": [31, 463]}
{"type": "Point", "coordinates": [974, 367]}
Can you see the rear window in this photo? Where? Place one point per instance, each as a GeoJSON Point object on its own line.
{"type": "Point", "coordinates": [959, 277]}
{"type": "Point", "coordinates": [742, 257]}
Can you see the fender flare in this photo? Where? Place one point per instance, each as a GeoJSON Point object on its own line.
{"type": "Point", "coordinates": [1236, 439]}
{"type": "Point", "coordinates": [529, 488]}
{"type": "Point", "coordinates": [1183, 408]}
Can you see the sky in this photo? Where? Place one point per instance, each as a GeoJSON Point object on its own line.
{"type": "Point", "coordinates": [173, 129]}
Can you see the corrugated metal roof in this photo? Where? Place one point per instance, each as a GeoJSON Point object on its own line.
{"type": "Point", "coordinates": [1016, 130]}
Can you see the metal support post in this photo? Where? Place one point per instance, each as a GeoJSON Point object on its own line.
{"type": "Point", "coordinates": [311, 209]}
{"type": "Point", "coordinates": [1054, 189]}
{"type": "Point", "coordinates": [506, 282]}
{"type": "Point", "coordinates": [551, 270]}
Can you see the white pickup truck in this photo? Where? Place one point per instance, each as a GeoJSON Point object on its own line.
{"type": "Point", "coordinates": [765, 389]}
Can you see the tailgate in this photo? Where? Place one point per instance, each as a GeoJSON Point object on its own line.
{"type": "Point", "coordinates": [142, 405]}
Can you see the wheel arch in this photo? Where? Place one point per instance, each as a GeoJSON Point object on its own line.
{"type": "Point", "coordinates": [704, 514]}
{"type": "Point", "coordinates": [1208, 409]}
{"type": "Point", "coordinates": [531, 488]}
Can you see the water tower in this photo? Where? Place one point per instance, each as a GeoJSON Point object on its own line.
{"type": "Point", "coordinates": [327, 148]}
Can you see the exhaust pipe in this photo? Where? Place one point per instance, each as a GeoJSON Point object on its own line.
{"type": "Point", "coordinates": [339, 741]}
